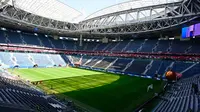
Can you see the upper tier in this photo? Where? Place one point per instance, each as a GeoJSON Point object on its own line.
{"type": "Point", "coordinates": [139, 45]}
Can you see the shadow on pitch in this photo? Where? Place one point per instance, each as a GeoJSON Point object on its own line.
{"type": "Point", "coordinates": [114, 96]}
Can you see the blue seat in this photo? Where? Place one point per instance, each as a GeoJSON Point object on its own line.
{"type": "Point", "coordinates": [138, 66]}
{"type": "Point", "coordinates": [134, 46]}
{"type": "Point", "coordinates": [193, 71]}
{"type": "Point", "coordinates": [148, 46]}
{"type": "Point", "coordinates": [120, 64]}
{"type": "Point", "coordinates": [23, 60]}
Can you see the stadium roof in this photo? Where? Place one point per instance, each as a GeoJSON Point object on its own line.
{"type": "Point", "coordinates": [132, 4]}
{"type": "Point", "coordinates": [52, 9]}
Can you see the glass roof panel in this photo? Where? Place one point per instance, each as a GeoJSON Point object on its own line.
{"type": "Point", "coordinates": [132, 4]}
{"type": "Point", "coordinates": [52, 9]}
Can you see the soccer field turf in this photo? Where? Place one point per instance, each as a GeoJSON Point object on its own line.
{"type": "Point", "coordinates": [103, 91]}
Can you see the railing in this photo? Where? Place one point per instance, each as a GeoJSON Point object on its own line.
{"type": "Point", "coordinates": [145, 55]}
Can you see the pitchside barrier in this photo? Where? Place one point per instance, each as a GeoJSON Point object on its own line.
{"type": "Point", "coordinates": [119, 72]}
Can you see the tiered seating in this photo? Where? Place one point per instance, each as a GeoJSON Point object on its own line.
{"type": "Point", "coordinates": [22, 59]}
{"type": "Point", "coordinates": [160, 67]}
{"type": "Point", "coordinates": [195, 46]}
{"type": "Point", "coordinates": [44, 41]}
{"type": "Point", "coordinates": [121, 46]}
{"type": "Point", "coordinates": [180, 46]}
{"type": "Point", "coordinates": [70, 45]}
{"type": "Point", "coordinates": [5, 57]}
{"type": "Point", "coordinates": [111, 46]}
{"type": "Point", "coordinates": [93, 61]}
{"type": "Point", "coordinates": [2, 37]}
{"type": "Point", "coordinates": [18, 84]}
{"type": "Point", "coordinates": [57, 43]}
{"type": "Point", "coordinates": [148, 46]}
{"type": "Point", "coordinates": [180, 97]}
{"type": "Point", "coordinates": [163, 67]}
{"type": "Point", "coordinates": [14, 37]}
{"type": "Point", "coordinates": [138, 66]}
{"type": "Point", "coordinates": [26, 60]}
{"type": "Point", "coordinates": [41, 60]}
{"type": "Point", "coordinates": [134, 46]}
{"type": "Point", "coordinates": [194, 70]}
{"type": "Point", "coordinates": [101, 46]}
{"type": "Point", "coordinates": [120, 64]}
{"type": "Point", "coordinates": [154, 67]}
{"type": "Point", "coordinates": [31, 39]}
{"type": "Point", "coordinates": [104, 63]}
{"type": "Point", "coordinates": [163, 46]}
{"type": "Point", "coordinates": [57, 59]}
{"type": "Point", "coordinates": [17, 96]}
{"type": "Point", "coordinates": [76, 59]}
{"type": "Point", "coordinates": [180, 66]}
{"type": "Point", "coordinates": [89, 46]}
{"type": "Point", "coordinates": [65, 58]}
{"type": "Point", "coordinates": [85, 59]}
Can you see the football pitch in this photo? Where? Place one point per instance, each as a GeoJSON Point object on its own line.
{"type": "Point", "coordinates": [102, 91]}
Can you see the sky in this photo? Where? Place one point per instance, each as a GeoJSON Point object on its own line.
{"type": "Point", "coordinates": [88, 7]}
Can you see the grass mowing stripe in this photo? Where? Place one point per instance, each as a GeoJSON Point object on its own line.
{"type": "Point", "coordinates": [104, 91]}
{"type": "Point", "coordinates": [27, 75]}
{"type": "Point", "coordinates": [51, 73]}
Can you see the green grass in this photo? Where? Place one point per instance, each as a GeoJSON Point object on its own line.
{"type": "Point", "coordinates": [38, 74]}
{"type": "Point", "coordinates": [103, 91]}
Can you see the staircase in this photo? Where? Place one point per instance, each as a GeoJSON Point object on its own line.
{"type": "Point", "coordinates": [188, 68]}
{"type": "Point", "coordinates": [170, 66]}
{"type": "Point", "coordinates": [87, 61]}
{"type": "Point", "coordinates": [13, 59]}
{"type": "Point", "coordinates": [75, 46]}
{"type": "Point", "coordinates": [85, 47]}
{"type": "Point", "coordinates": [97, 62]}
{"type": "Point", "coordinates": [111, 63]}
{"type": "Point", "coordinates": [40, 41]}
{"type": "Point", "coordinates": [170, 47]}
{"type": "Point", "coordinates": [124, 49]}
{"type": "Point", "coordinates": [49, 58]}
{"type": "Point", "coordinates": [6, 38]}
{"type": "Point", "coordinates": [128, 65]}
{"type": "Point", "coordinates": [115, 46]}
{"type": "Point", "coordinates": [95, 48]}
{"type": "Point", "coordinates": [106, 47]}
{"type": "Point", "coordinates": [31, 59]}
{"type": "Point", "coordinates": [148, 67]}
{"type": "Point", "coordinates": [70, 59]}
{"type": "Point", "coordinates": [22, 39]}
{"type": "Point", "coordinates": [53, 46]}
{"type": "Point", "coordinates": [155, 47]}
{"type": "Point", "coordinates": [63, 44]}
{"type": "Point", "coordinates": [188, 49]}
{"type": "Point", "coordinates": [140, 48]}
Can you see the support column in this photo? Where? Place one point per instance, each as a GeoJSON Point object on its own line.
{"type": "Point", "coordinates": [105, 40]}
{"type": "Point", "coordinates": [119, 38]}
{"type": "Point", "coordinates": [161, 36]}
{"type": "Point", "coordinates": [81, 40]}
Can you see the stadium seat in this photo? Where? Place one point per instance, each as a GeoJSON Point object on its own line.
{"type": "Point", "coordinates": [103, 64]}
{"type": "Point", "coordinates": [120, 64]}
{"type": "Point", "coordinates": [23, 60]}
{"type": "Point", "coordinates": [17, 94]}
{"type": "Point", "coordinates": [138, 66]}
{"type": "Point", "coordinates": [183, 99]}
